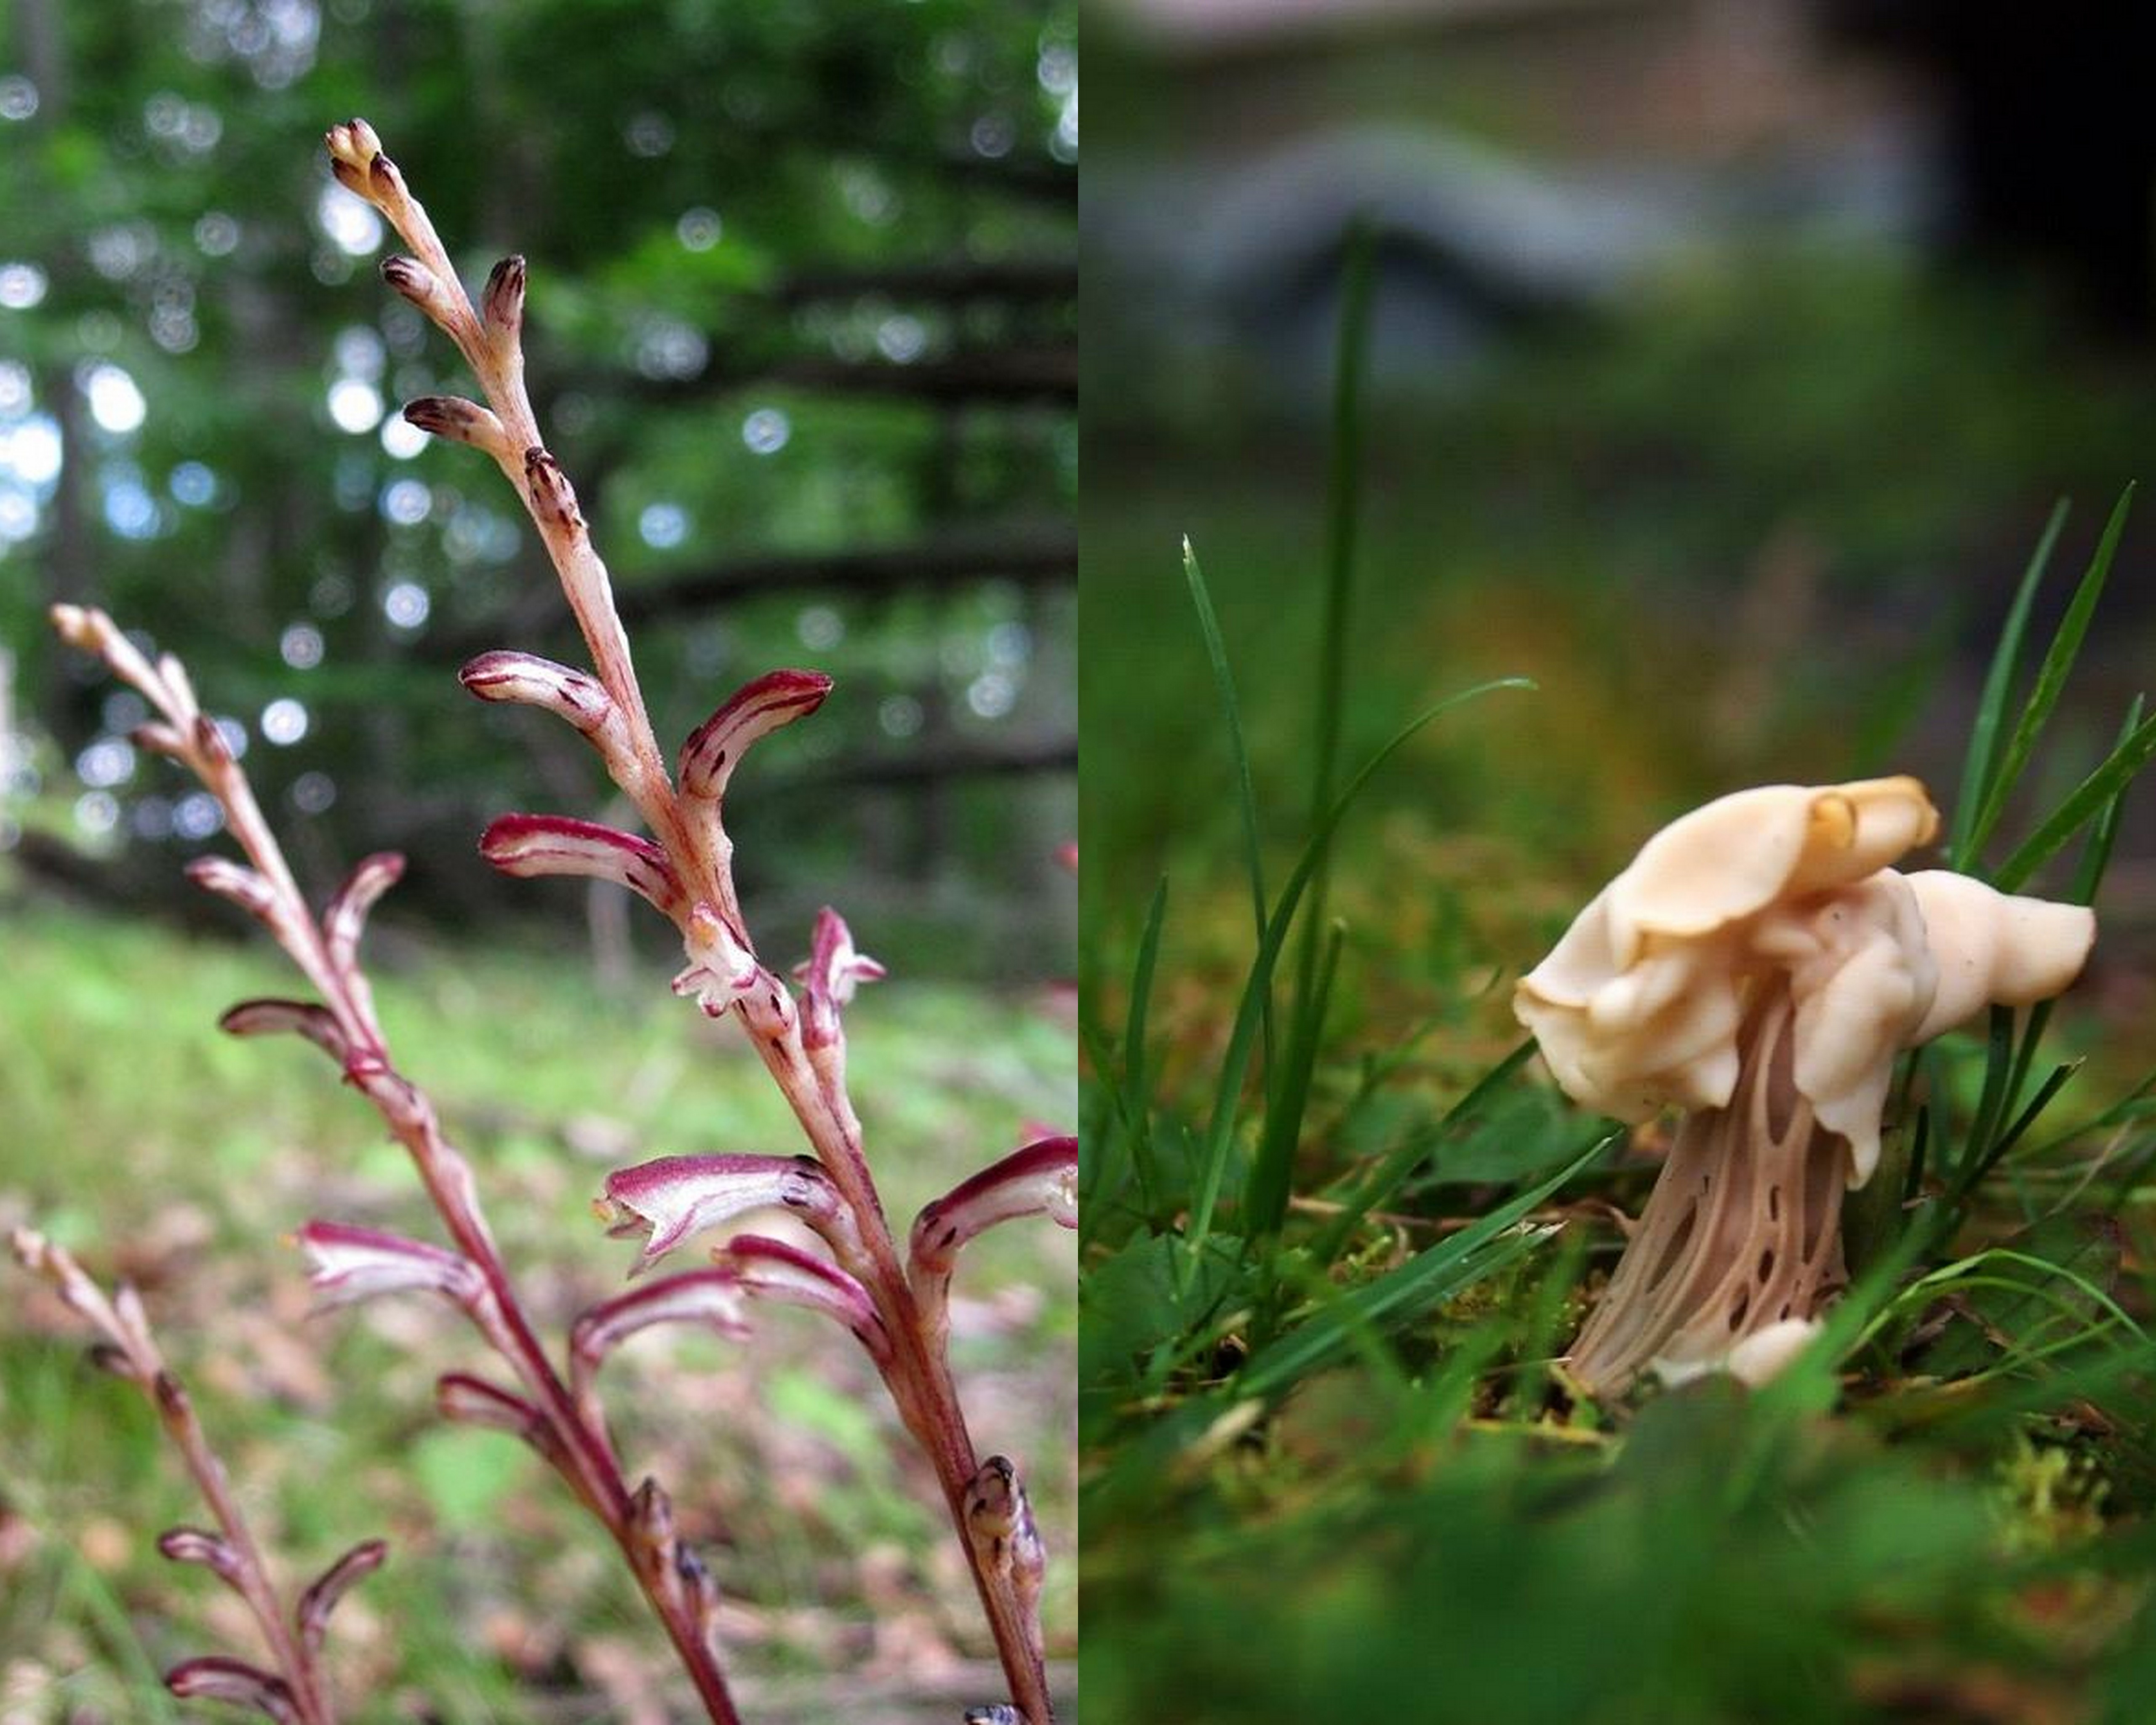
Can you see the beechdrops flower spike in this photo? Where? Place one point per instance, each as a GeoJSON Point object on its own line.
{"type": "Point", "coordinates": [1760, 965]}
{"type": "Point", "coordinates": [682, 863]}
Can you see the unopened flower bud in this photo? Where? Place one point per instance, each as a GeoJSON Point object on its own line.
{"type": "Point", "coordinates": [831, 973]}
{"type": "Point", "coordinates": [418, 284]}
{"type": "Point", "coordinates": [236, 881]}
{"type": "Point", "coordinates": [216, 1678]}
{"type": "Point", "coordinates": [81, 627]}
{"type": "Point", "coordinates": [572, 695]}
{"type": "Point", "coordinates": [553, 498]}
{"type": "Point", "coordinates": [353, 143]}
{"type": "Point", "coordinates": [502, 304]}
{"type": "Point", "coordinates": [312, 1614]}
{"type": "Point", "coordinates": [460, 421]}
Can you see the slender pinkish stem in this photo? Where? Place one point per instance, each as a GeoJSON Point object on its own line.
{"type": "Point", "coordinates": [137, 1355]}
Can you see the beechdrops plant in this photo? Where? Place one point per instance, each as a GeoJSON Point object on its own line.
{"type": "Point", "coordinates": [891, 1297]}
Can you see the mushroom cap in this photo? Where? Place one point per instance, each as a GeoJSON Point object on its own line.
{"type": "Point", "coordinates": [1995, 948]}
{"type": "Point", "coordinates": [1737, 855]}
{"type": "Point", "coordinates": [1641, 1005]}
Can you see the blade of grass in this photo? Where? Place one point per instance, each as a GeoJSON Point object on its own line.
{"type": "Point", "coordinates": [1272, 1173]}
{"type": "Point", "coordinates": [2136, 1166]}
{"type": "Point", "coordinates": [1359, 1323]}
{"type": "Point", "coordinates": [1235, 1063]}
{"type": "Point", "coordinates": [1343, 492]}
{"type": "Point", "coordinates": [1343, 489]}
{"type": "Point", "coordinates": [2096, 854]}
{"type": "Point", "coordinates": [1288, 1084]}
{"type": "Point", "coordinates": [1137, 1114]}
{"type": "Point", "coordinates": [2135, 1104]}
{"type": "Point", "coordinates": [1103, 1156]}
{"type": "Point", "coordinates": [1544, 1323]}
{"type": "Point", "coordinates": [1378, 1066]}
{"type": "Point", "coordinates": [1246, 796]}
{"type": "Point", "coordinates": [2086, 802]}
{"type": "Point", "coordinates": [1439, 1274]}
{"type": "Point", "coordinates": [2014, 1134]}
{"type": "Point", "coordinates": [1998, 1068]}
{"type": "Point", "coordinates": [1980, 766]}
{"type": "Point", "coordinates": [2051, 678]}
{"type": "Point", "coordinates": [1919, 1145]}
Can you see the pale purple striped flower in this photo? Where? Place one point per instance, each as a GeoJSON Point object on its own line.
{"type": "Point", "coordinates": [529, 845]}
{"type": "Point", "coordinates": [673, 1196]}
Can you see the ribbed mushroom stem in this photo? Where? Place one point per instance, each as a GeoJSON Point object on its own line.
{"type": "Point", "coordinates": [1742, 1230]}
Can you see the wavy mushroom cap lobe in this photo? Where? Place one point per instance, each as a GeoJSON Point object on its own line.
{"type": "Point", "coordinates": [1639, 1006]}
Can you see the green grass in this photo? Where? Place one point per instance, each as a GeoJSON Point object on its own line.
{"type": "Point", "coordinates": [1329, 1473]}
{"type": "Point", "coordinates": [155, 1147]}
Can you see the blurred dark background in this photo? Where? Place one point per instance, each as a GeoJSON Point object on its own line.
{"type": "Point", "coordinates": [802, 329]}
{"type": "Point", "coordinates": [1727, 356]}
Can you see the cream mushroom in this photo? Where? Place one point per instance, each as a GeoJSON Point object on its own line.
{"type": "Point", "coordinates": [1759, 965]}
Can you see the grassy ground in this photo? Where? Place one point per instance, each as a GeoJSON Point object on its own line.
{"type": "Point", "coordinates": [1327, 1470]}
{"type": "Point", "coordinates": [157, 1148]}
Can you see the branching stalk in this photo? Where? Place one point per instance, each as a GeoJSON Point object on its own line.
{"type": "Point", "coordinates": [294, 1687]}
{"type": "Point", "coordinates": [806, 1058]}
{"type": "Point", "coordinates": [576, 1445]}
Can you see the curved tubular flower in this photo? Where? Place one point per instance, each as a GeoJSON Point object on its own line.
{"type": "Point", "coordinates": [708, 1297]}
{"type": "Point", "coordinates": [752, 711]}
{"type": "Point", "coordinates": [1760, 965]}
{"type": "Point", "coordinates": [311, 1616]}
{"type": "Point", "coordinates": [1040, 1179]}
{"type": "Point", "coordinates": [346, 1265]}
{"type": "Point", "coordinates": [771, 1269]}
{"type": "Point", "coordinates": [344, 918]}
{"type": "Point", "coordinates": [318, 1025]}
{"type": "Point", "coordinates": [531, 845]}
{"type": "Point", "coordinates": [672, 1197]}
{"type": "Point", "coordinates": [572, 696]}
{"type": "Point", "coordinates": [214, 1678]}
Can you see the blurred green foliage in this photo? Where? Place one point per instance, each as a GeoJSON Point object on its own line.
{"type": "Point", "coordinates": [803, 288]}
{"type": "Point", "coordinates": [1759, 522]}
